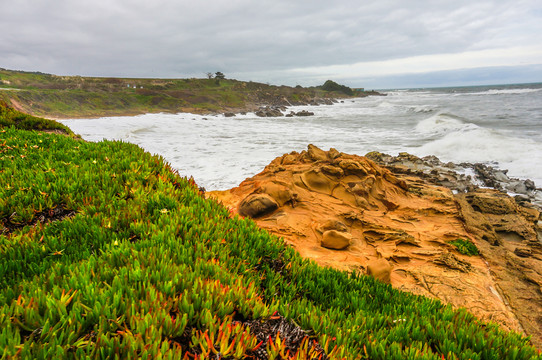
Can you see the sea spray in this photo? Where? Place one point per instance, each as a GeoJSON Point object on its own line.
{"type": "Point", "coordinates": [501, 126]}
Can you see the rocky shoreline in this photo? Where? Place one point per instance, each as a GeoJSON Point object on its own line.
{"type": "Point", "coordinates": [463, 177]}
{"type": "Point", "coordinates": [279, 107]}
{"type": "Point", "coordinates": [398, 218]}
{"type": "Point", "coordinates": [60, 97]}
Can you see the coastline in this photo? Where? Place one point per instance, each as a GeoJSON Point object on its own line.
{"type": "Point", "coordinates": [227, 111]}
{"type": "Point", "coordinates": [71, 97]}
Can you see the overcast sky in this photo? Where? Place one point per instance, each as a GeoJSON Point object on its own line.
{"type": "Point", "coordinates": [371, 44]}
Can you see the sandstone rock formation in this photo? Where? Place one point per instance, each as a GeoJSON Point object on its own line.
{"type": "Point", "coordinates": [396, 224]}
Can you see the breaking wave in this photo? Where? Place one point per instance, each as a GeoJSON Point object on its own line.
{"type": "Point", "coordinates": [476, 144]}
{"type": "Point", "coordinates": [443, 123]}
{"type": "Point", "coordinates": [501, 92]}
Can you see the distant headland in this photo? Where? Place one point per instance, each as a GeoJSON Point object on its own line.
{"type": "Point", "coordinates": [56, 96]}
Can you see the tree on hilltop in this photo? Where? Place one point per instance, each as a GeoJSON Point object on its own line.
{"type": "Point", "coordinates": [219, 76]}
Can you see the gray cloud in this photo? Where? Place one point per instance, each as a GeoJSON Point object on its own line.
{"type": "Point", "coordinates": [463, 77]}
{"type": "Point", "coordinates": [260, 39]}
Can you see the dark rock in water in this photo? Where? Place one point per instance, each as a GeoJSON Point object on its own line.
{"type": "Point", "coordinates": [300, 113]}
{"type": "Point", "coordinates": [304, 113]}
{"type": "Point", "coordinates": [487, 176]}
{"type": "Point", "coordinates": [229, 114]}
{"type": "Point", "coordinates": [529, 184]}
{"type": "Point", "coordinates": [269, 112]}
{"type": "Point", "coordinates": [456, 178]}
{"type": "Point", "coordinates": [517, 187]}
{"type": "Point", "coordinates": [274, 113]}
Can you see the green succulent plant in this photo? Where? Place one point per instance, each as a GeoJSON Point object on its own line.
{"type": "Point", "coordinates": [106, 252]}
{"type": "Point", "coordinates": [465, 247]}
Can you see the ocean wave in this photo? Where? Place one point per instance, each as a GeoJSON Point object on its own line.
{"type": "Point", "coordinates": [406, 92]}
{"type": "Point", "coordinates": [221, 152]}
{"type": "Point", "coordinates": [443, 123]}
{"type": "Point", "coordinates": [491, 147]}
{"type": "Point", "coordinates": [501, 92]}
{"type": "Point", "coordinates": [388, 105]}
{"type": "Point", "coordinates": [422, 108]}
{"type": "Point", "coordinates": [143, 130]}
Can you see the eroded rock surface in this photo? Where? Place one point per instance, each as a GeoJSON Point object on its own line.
{"type": "Point", "coordinates": [395, 220]}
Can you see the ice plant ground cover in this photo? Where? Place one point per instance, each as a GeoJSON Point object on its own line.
{"type": "Point", "coordinates": [106, 252]}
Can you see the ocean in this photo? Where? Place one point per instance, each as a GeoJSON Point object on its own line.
{"type": "Point", "coordinates": [497, 125]}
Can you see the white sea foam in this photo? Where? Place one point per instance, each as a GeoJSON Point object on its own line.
{"type": "Point", "coordinates": [388, 105]}
{"type": "Point", "coordinates": [423, 108]}
{"type": "Point", "coordinates": [500, 92]}
{"type": "Point", "coordinates": [443, 123]}
{"type": "Point", "coordinates": [220, 152]}
{"type": "Point", "coordinates": [406, 93]}
{"type": "Point", "coordinates": [520, 156]}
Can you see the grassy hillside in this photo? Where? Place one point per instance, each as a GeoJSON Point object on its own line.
{"type": "Point", "coordinates": [10, 117]}
{"type": "Point", "coordinates": [105, 252]}
{"type": "Point", "coordinates": [76, 96]}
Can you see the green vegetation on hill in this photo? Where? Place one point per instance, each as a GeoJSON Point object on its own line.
{"type": "Point", "coordinates": [11, 117]}
{"type": "Point", "coordinates": [465, 247]}
{"type": "Point", "coordinates": [75, 96]}
{"type": "Point", "coordinates": [105, 252]}
{"type": "Point", "coordinates": [330, 85]}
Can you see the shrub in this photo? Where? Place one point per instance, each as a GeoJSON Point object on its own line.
{"type": "Point", "coordinates": [11, 117]}
{"type": "Point", "coordinates": [330, 85]}
{"type": "Point", "coordinates": [465, 247]}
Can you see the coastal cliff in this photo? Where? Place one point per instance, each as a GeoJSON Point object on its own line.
{"type": "Point", "coordinates": [60, 97]}
{"type": "Point", "coordinates": [475, 247]}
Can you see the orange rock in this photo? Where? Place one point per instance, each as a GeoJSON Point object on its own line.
{"type": "Point", "coordinates": [257, 205]}
{"type": "Point", "coordinates": [280, 193]}
{"type": "Point", "coordinates": [397, 227]}
{"type": "Point", "coordinates": [332, 225]}
{"type": "Point", "coordinates": [333, 239]}
{"type": "Point", "coordinates": [380, 269]}
{"type": "Point", "coordinates": [316, 154]}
